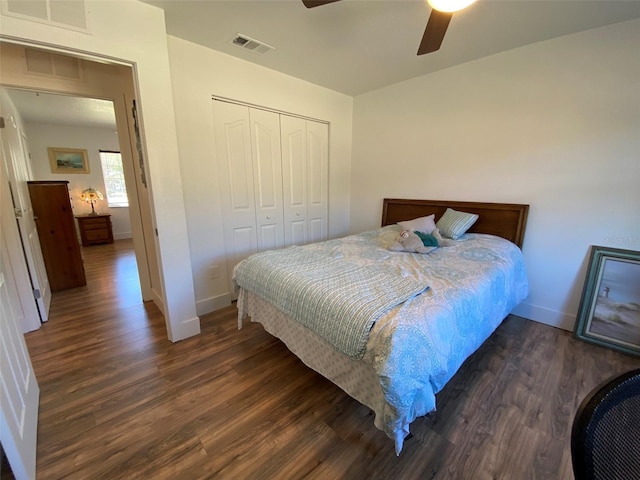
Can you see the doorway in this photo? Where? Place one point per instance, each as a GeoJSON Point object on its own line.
{"type": "Point", "coordinates": [100, 81]}
{"type": "Point", "coordinates": [86, 124]}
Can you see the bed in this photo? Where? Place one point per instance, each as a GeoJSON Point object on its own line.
{"type": "Point", "coordinates": [391, 328]}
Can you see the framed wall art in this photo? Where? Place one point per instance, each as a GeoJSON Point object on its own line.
{"type": "Point", "coordinates": [68, 160]}
{"type": "Point", "coordinates": [609, 312]}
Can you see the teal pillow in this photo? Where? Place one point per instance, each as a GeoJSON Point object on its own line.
{"type": "Point", "coordinates": [428, 240]}
{"type": "Point", "coordinates": [454, 224]}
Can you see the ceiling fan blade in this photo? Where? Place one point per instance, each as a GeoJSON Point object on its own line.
{"type": "Point", "coordinates": [434, 33]}
{"type": "Point", "coordinates": [316, 3]}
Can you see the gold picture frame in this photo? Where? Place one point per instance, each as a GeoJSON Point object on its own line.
{"type": "Point", "coordinates": [68, 160]}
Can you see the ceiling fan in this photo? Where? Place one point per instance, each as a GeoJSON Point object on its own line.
{"type": "Point", "coordinates": [441, 13]}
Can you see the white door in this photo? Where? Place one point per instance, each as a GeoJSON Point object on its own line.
{"type": "Point", "coordinates": [317, 180]}
{"type": "Point", "coordinates": [29, 233]}
{"type": "Point", "coordinates": [294, 179]}
{"type": "Point", "coordinates": [232, 134]}
{"type": "Point", "coordinates": [305, 170]}
{"type": "Point", "coordinates": [267, 176]}
{"type": "Point", "coordinates": [248, 150]}
{"type": "Point", "coordinates": [27, 315]}
{"type": "Point", "coordinates": [19, 393]}
{"type": "Point", "coordinates": [15, 153]}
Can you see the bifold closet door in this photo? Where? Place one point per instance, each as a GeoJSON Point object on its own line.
{"type": "Point", "coordinates": [317, 181]}
{"type": "Point", "coordinates": [304, 173]}
{"type": "Point", "coordinates": [249, 160]}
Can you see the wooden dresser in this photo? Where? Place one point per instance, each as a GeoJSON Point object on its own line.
{"type": "Point", "coordinates": [95, 229]}
{"type": "Point", "coordinates": [57, 232]}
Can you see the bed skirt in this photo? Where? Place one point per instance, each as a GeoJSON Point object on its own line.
{"type": "Point", "coordinates": [358, 379]}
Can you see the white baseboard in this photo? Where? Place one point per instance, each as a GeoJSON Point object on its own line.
{"type": "Point", "coordinates": [212, 304]}
{"type": "Point", "coordinates": [157, 299]}
{"type": "Point", "coordinates": [191, 327]}
{"type": "Point", "coordinates": [546, 316]}
{"type": "Point", "coordinates": [188, 328]}
{"type": "Point", "coordinates": [122, 235]}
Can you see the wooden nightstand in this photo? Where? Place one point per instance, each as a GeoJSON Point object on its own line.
{"type": "Point", "coordinates": [95, 229]}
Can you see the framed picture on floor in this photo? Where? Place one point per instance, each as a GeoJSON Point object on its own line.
{"type": "Point", "coordinates": [609, 312]}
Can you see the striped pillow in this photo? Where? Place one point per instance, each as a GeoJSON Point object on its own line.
{"type": "Point", "coordinates": [454, 223]}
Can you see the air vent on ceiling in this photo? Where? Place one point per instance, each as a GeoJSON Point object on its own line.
{"type": "Point", "coordinates": [252, 44]}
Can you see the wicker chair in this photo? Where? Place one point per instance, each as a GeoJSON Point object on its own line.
{"type": "Point", "coordinates": [605, 437]}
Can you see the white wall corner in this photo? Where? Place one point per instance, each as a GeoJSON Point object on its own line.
{"type": "Point", "coordinates": [158, 300]}
{"type": "Point", "coordinates": [187, 328]}
{"type": "Point", "coordinates": [211, 304]}
{"type": "Point", "coordinates": [544, 315]}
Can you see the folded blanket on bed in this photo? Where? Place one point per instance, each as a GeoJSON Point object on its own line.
{"type": "Point", "coordinates": [335, 297]}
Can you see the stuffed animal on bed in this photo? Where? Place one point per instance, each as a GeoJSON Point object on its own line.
{"type": "Point", "coordinates": [416, 242]}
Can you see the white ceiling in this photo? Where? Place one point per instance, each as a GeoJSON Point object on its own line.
{"type": "Point", "coordinates": [37, 107]}
{"type": "Point", "coordinates": [351, 46]}
{"type": "Point", "coordinates": [354, 46]}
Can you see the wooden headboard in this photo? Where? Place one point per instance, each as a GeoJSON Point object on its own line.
{"type": "Point", "coordinates": [506, 220]}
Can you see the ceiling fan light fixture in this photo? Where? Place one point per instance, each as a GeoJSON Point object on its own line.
{"type": "Point", "coordinates": [449, 6]}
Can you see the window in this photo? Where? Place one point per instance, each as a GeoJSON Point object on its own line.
{"type": "Point", "coordinates": [113, 174]}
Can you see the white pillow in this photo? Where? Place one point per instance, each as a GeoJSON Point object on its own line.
{"type": "Point", "coordinates": [422, 224]}
{"type": "Point", "coordinates": [454, 224]}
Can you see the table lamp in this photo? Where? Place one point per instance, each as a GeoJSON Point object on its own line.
{"type": "Point", "coordinates": [91, 196]}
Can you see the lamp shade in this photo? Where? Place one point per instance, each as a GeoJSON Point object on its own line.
{"type": "Point", "coordinates": [449, 5]}
{"type": "Point", "coordinates": [91, 195]}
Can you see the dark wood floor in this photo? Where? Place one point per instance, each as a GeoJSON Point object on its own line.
{"type": "Point", "coordinates": [118, 400]}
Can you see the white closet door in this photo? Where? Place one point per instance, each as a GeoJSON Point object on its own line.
{"type": "Point", "coordinates": [305, 165]}
{"type": "Point", "coordinates": [294, 179]}
{"type": "Point", "coordinates": [233, 150]}
{"type": "Point", "coordinates": [267, 174]}
{"type": "Point", "coordinates": [317, 180]}
{"type": "Point", "coordinates": [273, 179]}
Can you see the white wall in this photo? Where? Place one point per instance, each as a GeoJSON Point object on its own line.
{"type": "Point", "coordinates": [135, 33]}
{"type": "Point", "coordinates": [198, 73]}
{"type": "Point", "coordinates": [555, 125]}
{"type": "Point", "coordinates": [41, 136]}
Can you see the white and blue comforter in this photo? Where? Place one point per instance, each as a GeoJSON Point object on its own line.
{"type": "Point", "coordinates": [333, 295]}
{"type": "Point", "coordinates": [418, 346]}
